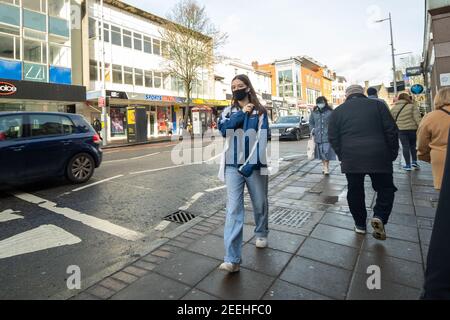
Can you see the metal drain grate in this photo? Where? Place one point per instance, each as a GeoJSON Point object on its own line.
{"type": "Point", "coordinates": [289, 218]}
{"type": "Point", "coordinates": [180, 217]}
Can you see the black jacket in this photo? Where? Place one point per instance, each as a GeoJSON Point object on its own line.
{"type": "Point", "coordinates": [437, 275]}
{"type": "Point", "coordinates": [364, 136]}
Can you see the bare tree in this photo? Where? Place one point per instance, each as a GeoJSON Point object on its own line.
{"type": "Point", "coordinates": [191, 41]}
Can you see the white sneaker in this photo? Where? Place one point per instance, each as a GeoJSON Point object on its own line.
{"type": "Point", "coordinates": [379, 232]}
{"type": "Point", "coordinates": [261, 243]}
{"type": "Point", "coordinates": [230, 267]}
{"type": "Point", "coordinates": [360, 231]}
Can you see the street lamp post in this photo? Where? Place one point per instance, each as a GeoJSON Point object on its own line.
{"type": "Point", "coordinates": [393, 51]}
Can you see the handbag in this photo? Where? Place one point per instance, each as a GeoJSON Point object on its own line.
{"type": "Point", "coordinates": [311, 149]}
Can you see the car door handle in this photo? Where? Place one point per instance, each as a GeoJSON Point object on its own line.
{"type": "Point", "coordinates": [17, 149]}
{"type": "Point", "coordinates": [66, 142]}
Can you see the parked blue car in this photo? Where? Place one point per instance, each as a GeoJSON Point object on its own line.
{"type": "Point", "coordinates": [40, 145]}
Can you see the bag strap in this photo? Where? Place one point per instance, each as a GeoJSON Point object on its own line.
{"type": "Point", "coordinates": [447, 112]}
{"type": "Point", "coordinates": [398, 114]}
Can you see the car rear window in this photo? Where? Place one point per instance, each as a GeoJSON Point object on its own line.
{"type": "Point", "coordinates": [11, 127]}
{"type": "Point", "coordinates": [82, 124]}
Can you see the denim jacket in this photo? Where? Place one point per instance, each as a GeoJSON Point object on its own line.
{"type": "Point", "coordinates": [319, 122]}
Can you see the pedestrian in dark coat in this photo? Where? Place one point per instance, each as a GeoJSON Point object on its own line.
{"type": "Point", "coordinates": [364, 135]}
{"type": "Point", "coordinates": [437, 274]}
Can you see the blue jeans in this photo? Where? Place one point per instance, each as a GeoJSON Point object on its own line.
{"type": "Point", "coordinates": [257, 186]}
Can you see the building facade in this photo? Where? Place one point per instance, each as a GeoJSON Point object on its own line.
{"type": "Point", "coordinates": [312, 76]}
{"type": "Point", "coordinates": [340, 85]}
{"type": "Point", "coordinates": [37, 71]}
{"type": "Point", "coordinates": [436, 52]}
{"type": "Point", "coordinates": [327, 84]}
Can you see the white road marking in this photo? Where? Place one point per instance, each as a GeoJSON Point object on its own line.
{"type": "Point", "coordinates": [90, 221]}
{"type": "Point", "coordinates": [129, 159]}
{"type": "Point", "coordinates": [96, 183]}
{"type": "Point", "coordinates": [42, 238]}
{"type": "Point", "coordinates": [216, 189]}
{"type": "Point", "coordinates": [192, 201]}
{"type": "Point", "coordinates": [8, 215]}
{"type": "Point", "coordinates": [162, 226]}
{"type": "Point", "coordinates": [166, 168]}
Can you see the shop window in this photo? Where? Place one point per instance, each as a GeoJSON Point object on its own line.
{"type": "Point", "coordinates": [34, 20]}
{"type": "Point", "coordinates": [116, 38]}
{"type": "Point", "coordinates": [148, 79]}
{"type": "Point", "coordinates": [157, 80]}
{"type": "Point", "coordinates": [11, 127]}
{"type": "Point", "coordinates": [117, 74]}
{"type": "Point", "coordinates": [9, 14]}
{"type": "Point", "coordinates": [128, 75]}
{"type": "Point", "coordinates": [137, 41]}
{"type": "Point", "coordinates": [59, 56]}
{"type": "Point", "coordinates": [147, 45]}
{"type": "Point", "coordinates": [138, 77]}
{"type": "Point", "coordinates": [59, 27]}
{"type": "Point", "coordinates": [157, 47]}
{"type": "Point", "coordinates": [45, 125]}
{"type": "Point", "coordinates": [117, 121]}
{"type": "Point", "coordinates": [127, 39]}
{"type": "Point", "coordinates": [58, 8]}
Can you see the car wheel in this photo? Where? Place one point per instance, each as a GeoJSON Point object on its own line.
{"type": "Point", "coordinates": [298, 135]}
{"type": "Point", "coordinates": [80, 168]}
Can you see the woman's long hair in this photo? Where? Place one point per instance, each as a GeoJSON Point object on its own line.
{"type": "Point", "coordinates": [322, 99]}
{"type": "Point", "coordinates": [251, 95]}
{"type": "Point", "coordinates": [406, 97]}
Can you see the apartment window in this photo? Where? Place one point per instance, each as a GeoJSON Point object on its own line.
{"type": "Point", "coordinates": [117, 74]}
{"type": "Point", "coordinates": [34, 51]}
{"type": "Point", "coordinates": [157, 80]}
{"type": "Point", "coordinates": [92, 28]}
{"type": "Point", "coordinates": [165, 49]}
{"type": "Point", "coordinates": [138, 77]}
{"type": "Point", "coordinates": [128, 75]}
{"type": "Point", "coordinates": [34, 20]}
{"type": "Point", "coordinates": [157, 47]}
{"type": "Point", "coordinates": [286, 83]}
{"type": "Point", "coordinates": [9, 14]}
{"type": "Point", "coordinates": [35, 5]}
{"type": "Point", "coordinates": [127, 39]}
{"type": "Point", "coordinates": [59, 55]}
{"type": "Point", "coordinates": [137, 41]}
{"type": "Point", "coordinates": [9, 47]}
{"type": "Point", "coordinates": [58, 8]}
{"type": "Point", "coordinates": [106, 30]}
{"type": "Point", "coordinates": [16, 2]}
{"type": "Point", "coordinates": [116, 38]}
{"type": "Point", "coordinates": [93, 70]}
{"type": "Point", "coordinates": [166, 81]}
{"type": "Point", "coordinates": [147, 45]}
{"type": "Point", "coordinates": [148, 79]}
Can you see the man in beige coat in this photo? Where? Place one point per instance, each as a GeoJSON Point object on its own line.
{"type": "Point", "coordinates": [433, 136]}
{"type": "Point", "coordinates": [407, 117]}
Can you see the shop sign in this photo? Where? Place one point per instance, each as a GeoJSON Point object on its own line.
{"type": "Point", "coordinates": [414, 71]}
{"type": "Point", "coordinates": [168, 99]}
{"type": "Point", "coordinates": [198, 101]}
{"type": "Point", "coordinates": [101, 102]}
{"type": "Point", "coordinates": [152, 97]}
{"type": "Point", "coordinates": [131, 116]}
{"type": "Point", "coordinates": [7, 89]}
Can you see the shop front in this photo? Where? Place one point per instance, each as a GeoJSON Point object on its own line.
{"type": "Point", "coordinates": [18, 95]}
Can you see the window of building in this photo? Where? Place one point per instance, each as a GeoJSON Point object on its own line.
{"type": "Point", "coordinates": [34, 51]}
{"type": "Point", "coordinates": [58, 8]}
{"type": "Point", "coordinates": [9, 14]}
{"type": "Point", "coordinates": [138, 77]}
{"type": "Point", "coordinates": [165, 49]}
{"type": "Point", "coordinates": [148, 78]}
{"type": "Point", "coordinates": [93, 70]}
{"type": "Point", "coordinates": [127, 39]}
{"type": "Point", "coordinates": [147, 45]}
{"type": "Point", "coordinates": [106, 31]}
{"type": "Point", "coordinates": [137, 41]}
{"type": "Point", "coordinates": [166, 81]}
{"type": "Point", "coordinates": [59, 27]}
{"type": "Point", "coordinates": [34, 20]}
{"type": "Point", "coordinates": [157, 80]}
{"type": "Point", "coordinates": [15, 2]}
{"type": "Point", "coordinates": [117, 74]}
{"type": "Point", "coordinates": [35, 5]}
{"type": "Point", "coordinates": [128, 75]}
{"type": "Point", "coordinates": [116, 37]}
{"type": "Point", "coordinates": [59, 55]}
{"type": "Point", "coordinates": [9, 47]}
{"type": "Point", "coordinates": [157, 47]}
{"type": "Point", "coordinates": [93, 25]}
{"type": "Point", "coordinates": [286, 84]}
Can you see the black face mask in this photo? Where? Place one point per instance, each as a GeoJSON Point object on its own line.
{"type": "Point", "coordinates": [240, 95]}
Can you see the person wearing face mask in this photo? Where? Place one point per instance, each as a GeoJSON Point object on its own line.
{"type": "Point", "coordinates": [244, 163]}
{"type": "Point", "coordinates": [318, 123]}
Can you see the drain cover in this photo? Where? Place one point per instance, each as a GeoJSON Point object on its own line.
{"type": "Point", "coordinates": [289, 218]}
{"type": "Point", "coordinates": [180, 217]}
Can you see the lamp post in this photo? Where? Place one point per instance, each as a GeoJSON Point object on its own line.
{"type": "Point", "coordinates": [393, 51]}
{"type": "Point", "coordinates": [105, 106]}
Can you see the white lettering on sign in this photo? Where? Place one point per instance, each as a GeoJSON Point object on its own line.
{"type": "Point", "coordinates": [7, 89]}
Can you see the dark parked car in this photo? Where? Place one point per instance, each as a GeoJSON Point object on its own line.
{"type": "Point", "coordinates": [39, 145]}
{"type": "Point", "coordinates": [290, 127]}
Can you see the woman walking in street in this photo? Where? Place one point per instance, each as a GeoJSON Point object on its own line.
{"type": "Point", "coordinates": [249, 115]}
{"type": "Point", "coordinates": [433, 136]}
{"type": "Point", "coordinates": [318, 123]}
{"type": "Point", "coordinates": [407, 116]}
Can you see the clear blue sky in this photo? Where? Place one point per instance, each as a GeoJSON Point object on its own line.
{"type": "Point", "coordinates": [338, 33]}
